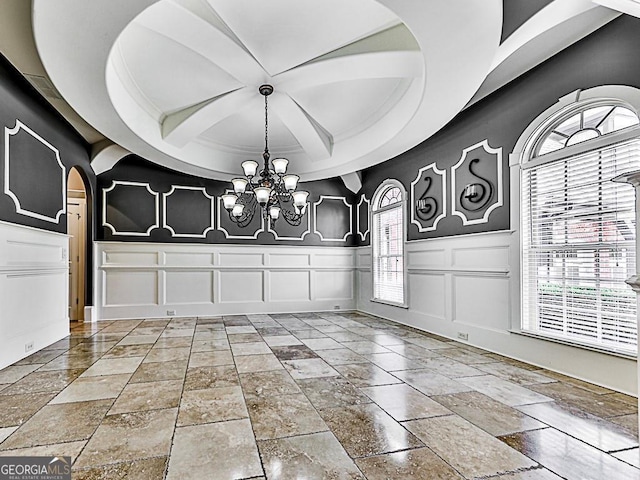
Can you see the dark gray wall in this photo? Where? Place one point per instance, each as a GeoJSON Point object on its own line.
{"type": "Point", "coordinates": [133, 209]}
{"type": "Point", "coordinates": [35, 177]}
{"type": "Point", "coordinates": [609, 56]}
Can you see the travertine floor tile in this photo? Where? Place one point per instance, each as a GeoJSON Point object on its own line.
{"type": "Point", "coordinates": [128, 351]}
{"type": "Point", "coordinates": [71, 362]}
{"type": "Point", "coordinates": [490, 415]}
{"type": "Point", "coordinates": [417, 464]}
{"type": "Point", "coordinates": [14, 373]}
{"type": "Point", "coordinates": [366, 374]}
{"type": "Point", "coordinates": [515, 374]}
{"type": "Point", "coordinates": [628, 422]}
{"type": "Point", "coordinates": [200, 378]}
{"type": "Point", "coordinates": [365, 430]}
{"type": "Point", "coordinates": [210, 359]}
{"type": "Point", "coordinates": [314, 456]}
{"type": "Point", "coordinates": [130, 436]}
{"type": "Point", "coordinates": [365, 347]}
{"type": "Point", "coordinates": [180, 354]}
{"type": "Point", "coordinates": [282, 340]}
{"type": "Point", "coordinates": [341, 356]}
{"type": "Point", "coordinates": [431, 383]}
{"type": "Point", "coordinates": [226, 448]}
{"type": "Point", "coordinates": [316, 344]}
{"type": "Point", "coordinates": [16, 409]}
{"type": "Point", "coordinates": [471, 451]}
{"type": "Point", "coordinates": [293, 352]}
{"type": "Point", "coordinates": [277, 382]}
{"type": "Point", "coordinates": [449, 367]}
{"type": "Point", "coordinates": [158, 371]}
{"type": "Point", "coordinates": [5, 432]}
{"type": "Point", "coordinates": [41, 357]}
{"type": "Point", "coordinates": [66, 422]}
{"type": "Point", "coordinates": [570, 458]}
{"type": "Point", "coordinates": [68, 449]}
{"type": "Point", "coordinates": [309, 368]}
{"type": "Point", "coordinates": [504, 391]}
{"type": "Point", "coordinates": [211, 405]}
{"type": "Point", "coordinates": [632, 456]}
{"type": "Point", "coordinates": [250, 348]}
{"type": "Point", "coordinates": [138, 397]}
{"type": "Point", "coordinates": [113, 366]}
{"type": "Point", "coordinates": [43, 382]}
{"type": "Point", "coordinates": [394, 361]}
{"type": "Point", "coordinates": [283, 416]}
{"type": "Point", "coordinates": [533, 474]}
{"type": "Point", "coordinates": [93, 388]}
{"type": "Point", "coordinates": [257, 363]}
{"type": "Point", "coordinates": [590, 429]}
{"type": "Point", "coordinates": [597, 404]}
{"type": "Point", "coordinates": [331, 392]}
{"type": "Point", "coordinates": [146, 469]}
{"type": "Point", "coordinates": [404, 403]}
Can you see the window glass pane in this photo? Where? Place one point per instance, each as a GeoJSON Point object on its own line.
{"type": "Point", "coordinates": [579, 248]}
{"type": "Point", "coordinates": [388, 245]}
{"type": "Point", "coordinates": [620, 118]}
{"type": "Point", "coordinates": [584, 126]}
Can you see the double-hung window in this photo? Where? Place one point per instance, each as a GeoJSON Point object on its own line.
{"type": "Point", "coordinates": [578, 230]}
{"type": "Point", "coordinates": [388, 244]}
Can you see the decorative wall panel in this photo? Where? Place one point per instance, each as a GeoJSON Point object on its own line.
{"type": "Point", "coordinates": [362, 217]}
{"type": "Point", "coordinates": [120, 218]}
{"type": "Point", "coordinates": [29, 158]}
{"type": "Point", "coordinates": [332, 218]}
{"type": "Point", "coordinates": [188, 211]}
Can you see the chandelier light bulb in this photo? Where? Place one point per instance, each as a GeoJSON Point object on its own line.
{"type": "Point", "coordinates": [274, 213]}
{"type": "Point", "coordinates": [300, 198]}
{"type": "Point", "coordinates": [229, 201]}
{"type": "Point", "coordinates": [262, 195]}
{"type": "Point", "coordinates": [239, 184]}
{"type": "Point", "coordinates": [250, 167]}
{"type": "Point", "coordinates": [290, 182]}
{"type": "Point", "coordinates": [237, 210]}
{"type": "Point", "coordinates": [280, 165]}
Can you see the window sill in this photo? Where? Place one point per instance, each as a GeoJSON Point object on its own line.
{"type": "Point", "coordinates": [391, 304]}
{"type": "Point", "coordinates": [570, 343]}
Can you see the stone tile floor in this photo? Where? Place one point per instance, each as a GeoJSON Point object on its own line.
{"type": "Point", "coordinates": [310, 395]}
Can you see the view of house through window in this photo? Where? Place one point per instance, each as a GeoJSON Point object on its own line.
{"type": "Point", "coordinates": [388, 245]}
{"type": "Point", "coordinates": [578, 233]}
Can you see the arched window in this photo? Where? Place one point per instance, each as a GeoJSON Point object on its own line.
{"type": "Point", "coordinates": [578, 226]}
{"type": "Point", "coordinates": [388, 243]}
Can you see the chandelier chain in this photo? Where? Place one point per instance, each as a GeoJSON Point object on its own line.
{"type": "Point", "coordinates": [266, 125]}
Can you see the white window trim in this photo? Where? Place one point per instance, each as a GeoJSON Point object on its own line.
{"type": "Point", "coordinates": [520, 159]}
{"type": "Point", "coordinates": [374, 201]}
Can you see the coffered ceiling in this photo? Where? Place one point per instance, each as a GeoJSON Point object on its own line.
{"type": "Point", "coordinates": [356, 83]}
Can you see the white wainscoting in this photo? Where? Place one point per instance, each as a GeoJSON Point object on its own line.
{"type": "Point", "coordinates": [470, 284]}
{"type": "Point", "coordinates": [34, 286]}
{"type": "Point", "coordinates": [141, 280]}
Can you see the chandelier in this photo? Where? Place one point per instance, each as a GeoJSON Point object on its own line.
{"type": "Point", "coordinates": [271, 191]}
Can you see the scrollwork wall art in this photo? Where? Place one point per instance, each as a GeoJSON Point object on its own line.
{"type": "Point", "coordinates": [429, 198]}
{"type": "Point", "coordinates": [476, 183]}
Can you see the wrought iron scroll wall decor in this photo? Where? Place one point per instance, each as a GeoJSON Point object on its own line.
{"type": "Point", "coordinates": [428, 198]}
{"type": "Point", "coordinates": [475, 196]}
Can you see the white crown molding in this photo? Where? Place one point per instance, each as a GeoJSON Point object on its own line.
{"type": "Point", "coordinates": [188, 235]}
{"type": "Point", "coordinates": [315, 216]}
{"type": "Point", "coordinates": [8, 133]}
{"type": "Point", "coordinates": [226, 232]}
{"type": "Point", "coordinates": [443, 176]}
{"type": "Point", "coordinates": [301, 237]}
{"type": "Point", "coordinates": [364, 234]}
{"type": "Point", "coordinates": [114, 230]}
{"type": "Point", "coordinates": [498, 203]}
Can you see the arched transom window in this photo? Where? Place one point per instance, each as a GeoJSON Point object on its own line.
{"type": "Point", "coordinates": [388, 244]}
{"type": "Point", "coordinates": [578, 228]}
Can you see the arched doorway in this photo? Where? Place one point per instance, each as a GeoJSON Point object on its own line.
{"type": "Point", "coordinates": [76, 228]}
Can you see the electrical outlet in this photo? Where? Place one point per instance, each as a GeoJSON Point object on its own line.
{"type": "Point", "coordinates": [28, 347]}
{"type": "Point", "coordinates": [336, 307]}
{"type": "Point", "coordinates": [171, 313]}
{"type": "Point", "coordinates": [463, 336]}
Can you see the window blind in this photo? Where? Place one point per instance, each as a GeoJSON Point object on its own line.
{"type": "Point", "coordinates": [388, 263]}
{"type": "Point", "coordinates": [578, 231]}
